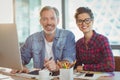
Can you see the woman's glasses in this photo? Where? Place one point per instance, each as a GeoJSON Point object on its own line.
{"type": "Point", "coordinates": [87, 21]}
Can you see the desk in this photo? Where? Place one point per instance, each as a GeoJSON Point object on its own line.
{"type": "Point", "coordinates": [6, 75]}
{"type": "Point", "coordinates": [116, 76]}
{"type": "Point", "coordinates": [113, 76]}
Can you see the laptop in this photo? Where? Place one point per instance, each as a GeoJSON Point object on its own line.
{"type": "Point", "coordinates": [10, 56]}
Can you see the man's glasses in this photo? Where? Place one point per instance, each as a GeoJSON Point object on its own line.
{"type": "Point", "coordinates": [87, 21]}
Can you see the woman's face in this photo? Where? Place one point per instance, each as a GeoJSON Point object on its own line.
{"type": "Point", "coordinates": [84, 22]}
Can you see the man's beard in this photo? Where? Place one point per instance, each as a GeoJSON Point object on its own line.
{"type": "Point", "coordinates": [49, 32]}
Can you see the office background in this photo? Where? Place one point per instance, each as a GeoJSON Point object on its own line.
{"type": "Point", "coordinates": [26, 16]}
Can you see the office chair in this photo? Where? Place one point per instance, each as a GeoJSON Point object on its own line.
{"type": "Point", "coordinates": [117, 63]}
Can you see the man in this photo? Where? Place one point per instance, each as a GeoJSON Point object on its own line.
{"type": "Point", "coordinates": [52, 42]}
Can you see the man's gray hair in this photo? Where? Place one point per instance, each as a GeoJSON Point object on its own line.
{"type": "Point", "coordinates": [49, 8]}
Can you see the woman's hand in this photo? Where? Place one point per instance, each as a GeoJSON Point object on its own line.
{"type": "Point", "coordinates": [79, 68]}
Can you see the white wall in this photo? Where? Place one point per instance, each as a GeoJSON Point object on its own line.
{"type": "Point", "coordinates": [6, 11]}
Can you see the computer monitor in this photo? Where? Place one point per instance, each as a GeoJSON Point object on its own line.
{"type": "Point", "coordinates": [10, 56]}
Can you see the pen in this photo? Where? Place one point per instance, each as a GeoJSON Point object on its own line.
{"type": "Point", "coordinates": [49, 60]}
{"type": "Point", "coordinates": [59, 63]}
{"type": "Point", "coordinates": [72, 65]}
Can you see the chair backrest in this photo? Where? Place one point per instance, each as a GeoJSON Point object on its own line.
{"type": "Point", "coordinates": [117, 63]}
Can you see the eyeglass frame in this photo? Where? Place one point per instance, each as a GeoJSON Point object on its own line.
{"type": "Point", "coordinates": [85, 20]}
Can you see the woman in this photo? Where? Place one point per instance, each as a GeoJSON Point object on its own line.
{"type": "Point", "coordinates": [93, 50]}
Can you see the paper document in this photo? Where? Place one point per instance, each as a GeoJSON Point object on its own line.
{"type": "Point", "coordinates": [4, 77]}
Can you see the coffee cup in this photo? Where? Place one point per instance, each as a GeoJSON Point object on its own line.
{"type": "Point", "coordinates": [66, 74]}
{"type": "Point", "coordinates": [44, 74]}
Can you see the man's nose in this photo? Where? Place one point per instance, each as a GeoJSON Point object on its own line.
{"type": "Point", "coordinates": [49, 21]}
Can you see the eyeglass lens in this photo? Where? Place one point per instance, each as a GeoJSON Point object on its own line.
{"type": "Point", "coordinates": [87, 21]}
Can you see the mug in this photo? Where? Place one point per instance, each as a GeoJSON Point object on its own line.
{"type": "Point", "coordinates": [66, 74]}
{"type": "Point", "coordinates": [44, 74]}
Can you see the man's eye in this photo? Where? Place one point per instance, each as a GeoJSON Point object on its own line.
{"type": "Point", "coordinates": [44, 19]}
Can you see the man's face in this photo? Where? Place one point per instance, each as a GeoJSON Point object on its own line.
{"type": "Point", "coordinates": [49, 21]}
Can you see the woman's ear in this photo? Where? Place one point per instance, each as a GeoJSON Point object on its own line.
{"type": "Point", "coordinates": [92, 22]}
{"type": "Point", "coordinates": [40, 21]}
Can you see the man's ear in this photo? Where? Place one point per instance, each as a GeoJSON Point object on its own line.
{"type": "Point", "coordinates": [58, 20]}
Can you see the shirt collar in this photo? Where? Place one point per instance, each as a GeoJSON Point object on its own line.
{"type": "Point", "coordinates": [56, 34]}
{"type": "Point", "coordinates": [93, 39]}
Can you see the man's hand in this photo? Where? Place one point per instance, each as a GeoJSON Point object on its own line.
{"type": "Point", "coordinates": [51, 65]}
{"type": "Point", "coordinates": [24, 70]}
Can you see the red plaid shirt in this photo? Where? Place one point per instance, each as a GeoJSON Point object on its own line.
{"type": "Point", "coordinates": [98, 56]}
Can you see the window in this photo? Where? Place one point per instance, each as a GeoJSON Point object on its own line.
{"type": "Point", "coordinates": [27, 18]}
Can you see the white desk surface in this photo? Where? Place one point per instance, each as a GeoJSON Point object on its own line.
{"type": "Point", "coordinates": [5, 75]}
